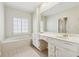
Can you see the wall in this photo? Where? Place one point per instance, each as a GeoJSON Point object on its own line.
{"type": "Point", "coordinates": [1, 21]}
{"type": "Point", "coordinates": [9, 14]}
{"type": "Point", "coordinates": [72, 22]}
{"type": "Point", "coordinates": [1, 25]}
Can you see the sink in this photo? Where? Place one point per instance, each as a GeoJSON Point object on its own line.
{"type": "Point", "coordinates": [63, 36]}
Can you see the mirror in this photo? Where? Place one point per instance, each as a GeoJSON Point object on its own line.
{"type": "Point", "coordinates": [43, 24]}
{"type": "Point", "coordinates": [62, 19]}
{"type": "Point", "coordinates": [62, 23]}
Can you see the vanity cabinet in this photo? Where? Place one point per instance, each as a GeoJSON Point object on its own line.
{"type": "Point", "coordinates": [40, 42]}
{"type": "Point", "coordinates": [51, 48]}
{"type": "Point", "coordinates": [61, 48]}
{"type": "Point", "coordinates": [63, 52]}
{"type": "Point", "coordinates": [35, 40]}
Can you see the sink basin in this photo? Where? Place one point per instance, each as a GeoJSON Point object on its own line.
{"type": "Point", "coordinates": [62, 36]}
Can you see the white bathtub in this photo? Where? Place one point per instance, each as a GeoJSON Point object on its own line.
{"type": "Point", "coordinates": [12, 45]}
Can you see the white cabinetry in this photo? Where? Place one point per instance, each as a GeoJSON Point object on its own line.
{"type": "Point", "coordinates": [36, 27]}
{"type": "Point", "coordinates": [60, 48]}
{"type": "Point", "coordinates": [63, 52]}
{"type": "Point", "coordinates": [51, 48]}
{"type": "Point", "coordinates": [36, 40]}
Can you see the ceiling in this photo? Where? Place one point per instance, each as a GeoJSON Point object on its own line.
{"type": "Point", "coordinates": [30, 6]}
{"type": "Point", "coordinates": [24, 6]}
{"type": "Point", "coordinates": [59, 8]}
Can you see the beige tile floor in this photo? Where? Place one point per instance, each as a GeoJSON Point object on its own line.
{"type": "Point", "coordinates": [29, 51]}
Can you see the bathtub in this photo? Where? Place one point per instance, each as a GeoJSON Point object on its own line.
{"type": "Point", "coordinates": [14, 44]}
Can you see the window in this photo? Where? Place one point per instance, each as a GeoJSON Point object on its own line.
{"type": "Point", "coordinates": [20, 25]}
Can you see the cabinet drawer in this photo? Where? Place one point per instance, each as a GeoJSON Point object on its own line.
{"type": "Point", "coordinates": [52, 41]}
{"type": "Point", "coordinates": [62, 52]}
{"type": "Point", "coordinates": [51, 50]}
{"type": "Point", "coordinates": [67, 45]}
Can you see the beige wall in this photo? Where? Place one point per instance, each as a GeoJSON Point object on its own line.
{"type": "Point", "coordinates": [1, 24]}
{"type": "Point", "coordinates": [1, 21]}
{"type": "Point", "coordinates": [9, 14]}
{"type": "Point", "coordinates": [72, 22]}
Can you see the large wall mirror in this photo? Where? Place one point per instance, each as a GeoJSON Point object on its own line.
{"type": "Point", "coordinates": [62, 25]}
{"type": "Point", "coordinates": [62, 19]}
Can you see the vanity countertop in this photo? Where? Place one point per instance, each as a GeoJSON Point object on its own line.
{"type": "Point", "coordinates": [62, 36]}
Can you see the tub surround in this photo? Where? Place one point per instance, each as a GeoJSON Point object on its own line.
{"type": "Point", "coordinates": [15, 43]}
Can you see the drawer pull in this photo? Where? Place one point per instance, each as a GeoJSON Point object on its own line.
{"type": "Point", "coordinates": [68, 43]}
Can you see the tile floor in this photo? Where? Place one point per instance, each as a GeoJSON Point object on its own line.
{"type": "Point", "coordinates": [29, 51]}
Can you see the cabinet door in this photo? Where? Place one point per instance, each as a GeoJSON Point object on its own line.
{"type": "Point", "coordinates": [51, 50]}
{"type": "Point", "coordinates": [63, 52]}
